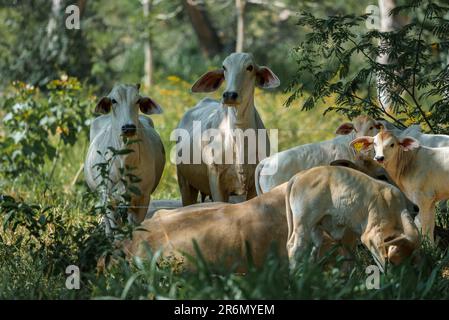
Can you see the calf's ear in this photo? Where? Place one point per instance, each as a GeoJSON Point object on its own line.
{"type": "Point", "coordinates": [148, 106]}
{"type": "Point", "coordinates": [345, 128]}
{"type": "Point", "coordinates": [103, 106]}
{"type": "Point", "coordinates": [379, 125]}
{"type": "Point", "coordinates": [362, 143]}
{"type": "Point", "coordinates": [266, 79]}
{"type": "Point", "coordinates": [209, 82]}
{"type": "Point", "coordinates": [408, 143]}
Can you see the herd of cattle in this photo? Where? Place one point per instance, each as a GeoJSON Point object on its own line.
{"type": "Point", "coordinates": [373, 183]}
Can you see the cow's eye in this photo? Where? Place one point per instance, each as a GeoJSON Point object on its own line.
{"type": "Point", "coordinates": [114, 101]}
{"type": "Point", "coordinates": [371, 128]}
{"type": "Point", "coordinates": [392, 145]}
{"type": "Point", "coordinates": [224, 68]}
{"type": "Point", "coordinates": [250, 68]}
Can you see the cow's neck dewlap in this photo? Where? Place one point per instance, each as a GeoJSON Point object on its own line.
{"type": "Point", "coordinates": [242, 116]}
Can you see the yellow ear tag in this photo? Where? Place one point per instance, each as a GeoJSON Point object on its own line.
{"type": "Point", "coordinates": [358, 146]}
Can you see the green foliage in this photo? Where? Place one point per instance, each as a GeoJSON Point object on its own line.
{"type": "Point", "coordinates": [342, 56]}
{"type": "Point", "coordinates": [49, 236]}
{"type": "Point", "coordinates": [155, 278]}
{"type": "Point", "coordinates": [38, 47]}
{"type": "Point", "coordinates": [115, 196]}
{"type": "Point", "coordinates": [34, 125]}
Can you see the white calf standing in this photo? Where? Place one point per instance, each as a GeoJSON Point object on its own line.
{"type": "Point", "coordinates": [422, 173]}
{"type": "Point", "coordinates": [121, 119]}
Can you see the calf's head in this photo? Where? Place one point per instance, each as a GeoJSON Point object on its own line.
{"type": "Point", "coordinates": [124, 103]}
{"type": "Point", "coordinates": [386, 146]}
{"type": "Point", "coordinates": [362, 126]}
{"type": "Point", "coordinates": [242, 74]}
{"type": "Point", "coordinates": [402, 246]}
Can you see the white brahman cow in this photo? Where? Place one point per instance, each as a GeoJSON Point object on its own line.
{"type": "Point", "coordinates": [121, 119]}
{"type": "Point", "coordinates": [224, 164]}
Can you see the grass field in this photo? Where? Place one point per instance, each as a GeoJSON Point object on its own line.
{"type": "Point", "coordinates": [61, 230]}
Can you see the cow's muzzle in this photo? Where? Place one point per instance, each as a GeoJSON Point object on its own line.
{"type": "Point", "coordinates": [129, 130]}
{"type": "Point", "coordinates": [379, 159]}
{"type": "Point", "coordinates": [230, 97]}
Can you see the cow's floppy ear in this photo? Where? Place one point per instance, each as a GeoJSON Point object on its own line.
{"type": "Point", "coordinates": [362, 143]}
{"type": "Point", "coordinates": [408, 143]}
{"type": "Point", "coordinates": [266, 79]}
{"type": "Point", "coordinates": [104, 105]}
{"type": "Point", "coordinates": [345, 128]}
{"type": "Point", "coordinates": [208, 82]}
{"type": "Point", "coordinates": [148, 106]}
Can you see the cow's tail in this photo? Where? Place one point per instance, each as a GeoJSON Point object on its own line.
{"type": "Point", "coordinates": [257, 178]}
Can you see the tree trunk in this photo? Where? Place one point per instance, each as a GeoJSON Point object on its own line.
{"type": "Point", "coordinates": [388, 23]}
{"type": "Point", "coordinates": [240, 10]}
{"type": "Point", "coordinates": [82, 6]}
{"type": "Point", "coordinates": [52, 22]}
{"type": "Point", "coordinates": [148, 51]}
{"type": "Point", "coordinates": [207, 36]}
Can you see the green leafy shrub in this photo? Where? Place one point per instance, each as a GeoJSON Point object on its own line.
{"type": "Point", "coordinates": [34, 125]}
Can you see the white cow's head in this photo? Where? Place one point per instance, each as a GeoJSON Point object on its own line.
{"type": "Point", "coordinates": [362, 126]}
{"type": "Point", "coordinates": [386, 146]}
{"type": "Point", "coordinates": [242, 74]}
{"type": "Point", "coordinates": [124, 103]}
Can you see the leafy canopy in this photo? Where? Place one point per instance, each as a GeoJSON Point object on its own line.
{"type": "Point", "coordinates": [341, 54]}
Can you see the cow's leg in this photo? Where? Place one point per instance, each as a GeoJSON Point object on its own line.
{"type": "Point", "coordinates": [109, 222]}
{"type": "Point", "coordinates": [139, 209]}
{"type": "Point", "coordinates": [217, 187]}
{"type": "Point", "coordinates": [317, 239]}
{"type": "Point", "coordinates": [189, 194]}
{"type": "Point", "coordinates": [373, 242]}
{"type": "Point", "coordinates": [427, 218]}
{"type": "Point", "coordinates": [109, 217]}
{"type": "Point", "coordinates": [251, 191]}
{"type": "Point", "coordinates": [297, 243]}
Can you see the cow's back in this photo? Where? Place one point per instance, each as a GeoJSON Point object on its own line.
{"type": "Point", "coordinates": [222, 230]}
{"type": "Point", "coordinates": [282, 166]}
{"type": "Point", "coordinates": [343, 193]}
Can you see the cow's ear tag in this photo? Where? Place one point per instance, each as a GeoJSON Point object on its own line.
{"type": "Point", "coordinates": [358, 146]}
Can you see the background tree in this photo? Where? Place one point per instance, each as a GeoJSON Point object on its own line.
{"type": "Point", "coordinates": [112, 44]}
{"type": "Point", "coordinates": [148, 51]}
{"type": "Point", "coordinates": [418, 76]}
{"type": "Point", "coordinates": [240, 11]}
{"type": "Point", "coordinates": [207, 36]}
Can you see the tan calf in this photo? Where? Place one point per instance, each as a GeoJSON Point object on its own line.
{"type": "Point", "coordinates": [345, 205]}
